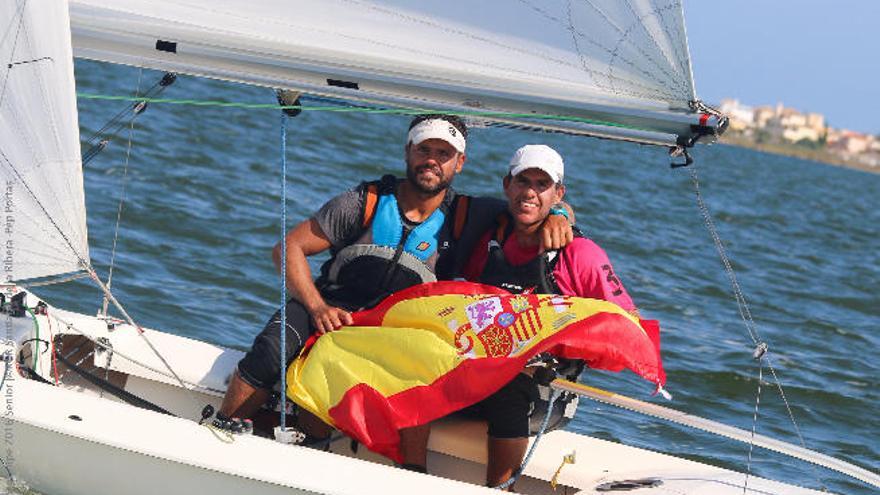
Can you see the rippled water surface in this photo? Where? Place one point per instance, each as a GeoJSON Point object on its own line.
{"type": "Point", "coordinates": [202, 211]}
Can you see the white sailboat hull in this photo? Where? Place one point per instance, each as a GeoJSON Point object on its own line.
{"type": "Point", "coordinates": [68, 439]}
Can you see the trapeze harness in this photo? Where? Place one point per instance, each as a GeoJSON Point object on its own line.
{"type": "Point", "coordinates": [391, 252]}
{"type": "Point", "coordinates": [537, 276]}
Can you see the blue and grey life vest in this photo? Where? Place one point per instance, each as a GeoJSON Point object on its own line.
{"type": "Point", "coordinates": [391, 252]}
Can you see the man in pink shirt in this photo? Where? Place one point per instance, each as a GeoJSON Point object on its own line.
{"type": "Point", "coordinates": [509, 256]}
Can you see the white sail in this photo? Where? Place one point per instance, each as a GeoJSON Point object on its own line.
{"type": "Point", "coordinates": [613, 68]}
{"type": "Point", "coordinates": [44, 232]}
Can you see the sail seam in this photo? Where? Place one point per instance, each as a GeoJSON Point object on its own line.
{"type": "Point", "coordinates": [625, 38]}
{"type": "Point", "coordinates": [85, 263]}
{"type": "Point", "coordinates": [568, 25]}
{"type": "Point", "coordinates": [542, 55]}
{"type": "Point", "coordinates": [12, 52]}
{"type": "Point", "coordinates": [679, 38]}
{"type": "Point", "coordinates": [658, 12]}
{"type": "Point", "coordinates": [41, 226]}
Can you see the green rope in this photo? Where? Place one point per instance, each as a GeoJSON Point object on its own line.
{"type": "Point", "coordinates": [356, 109]}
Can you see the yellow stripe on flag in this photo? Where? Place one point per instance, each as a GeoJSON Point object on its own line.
{"type": "Point", "coordinates": [379, 356]}
{"type": "Point", "coordinates": [424, 338]}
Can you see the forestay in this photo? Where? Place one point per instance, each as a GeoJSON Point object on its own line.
{"type": "Point", "coordinates": [44, 232]}
{"type": "Point", "coordinates": [609, 68]}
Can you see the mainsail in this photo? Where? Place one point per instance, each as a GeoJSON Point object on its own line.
{"type": "Point", "coordinates": [609, 68]}
{"type": "Point", "coordinates": [44, 215]}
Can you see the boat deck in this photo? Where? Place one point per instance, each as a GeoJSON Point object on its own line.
{"type": "Point", "coordinates": [63, 431]}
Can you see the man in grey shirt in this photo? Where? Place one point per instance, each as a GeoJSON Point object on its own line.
{"type": "Point", "coordinates": [383, 236]}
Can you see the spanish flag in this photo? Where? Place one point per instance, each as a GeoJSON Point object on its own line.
{"type": "Point", "coordinates": [433, 349]}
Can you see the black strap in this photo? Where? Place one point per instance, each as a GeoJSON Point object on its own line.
{"type": "Point", "coordinates": [127, 397]}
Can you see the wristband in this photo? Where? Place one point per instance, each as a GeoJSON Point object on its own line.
{"type": "Point", "coordinates": [558, 210]}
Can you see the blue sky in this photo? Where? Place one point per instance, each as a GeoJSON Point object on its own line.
{"type": "Point", "coordinates": [815, 55]}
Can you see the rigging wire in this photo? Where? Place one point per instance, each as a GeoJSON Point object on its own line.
{"type": "Point", "coordinates": [122, 194]}
{"type": "Point", "coordinates": [116, 352]}
{"type": "Point", "coordinates": [86, 266]}
{"type": "Point", "coordinates": [797, 429]}
{"type": "Point", "coordinates": [102, 137]}
{"type": "Point", "coordinates": [761, 351]}
{"type": "Point", "coordinates": [754, 425]}
{"type": "Point", "coordinates": [119, 207]}
{"type": "Point", "coordinates": [283, 328]}
{"type": "Point", "coordinates": [744, 311]}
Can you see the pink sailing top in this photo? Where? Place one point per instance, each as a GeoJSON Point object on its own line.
{"type": "Point", "coordinates": [583, 269]}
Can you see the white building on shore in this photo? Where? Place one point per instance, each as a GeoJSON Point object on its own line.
{"type": "Point", "coordinates": [783, 123]}
{"type": "Point", "coordinates": [741, 117]}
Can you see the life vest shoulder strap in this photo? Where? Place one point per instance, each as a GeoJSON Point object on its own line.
{"type": "Point", "coordinates": [370, 202]}
{"type": "Point", "coordinates": [503, 228]}
{"type": "Point", "coordinates": [386, 185]}
{"type": "Point", "coordinates": [461, 207]}
{"type": "Point", "coordinates": [374, 189]}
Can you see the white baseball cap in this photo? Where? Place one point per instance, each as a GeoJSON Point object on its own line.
{"type": "Point", "coordinates": [437, 129]}
{"type": "Point", "coordinates": [538, 156]}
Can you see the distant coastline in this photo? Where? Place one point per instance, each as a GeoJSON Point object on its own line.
{"type": "Point", "coordinates": [790, 132]}
{"type": "Point", "coordinates": [822, 155]}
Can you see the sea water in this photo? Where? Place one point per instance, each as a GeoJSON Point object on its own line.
{"type": "Point", "coordinates": [202, 208]}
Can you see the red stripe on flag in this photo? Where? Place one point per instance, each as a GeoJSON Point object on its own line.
{"type": "Point", "coordinates": [605, 341]}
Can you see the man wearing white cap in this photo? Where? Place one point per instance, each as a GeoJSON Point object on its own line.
{"type": "Point", "coordinates": [509, 255]}
{"type": "Point", "coordinates": [383, 236]}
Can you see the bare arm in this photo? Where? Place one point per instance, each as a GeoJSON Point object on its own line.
{"type": "Point", "coordinates": [304, 240]}
{"type": "Point", "coordinates": [556, 232]}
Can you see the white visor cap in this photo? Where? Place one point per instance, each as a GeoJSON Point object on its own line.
{"type": "Point", "coordinates": [538, 156]}
{"type": "Point", "coordinates": [437, 129]}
